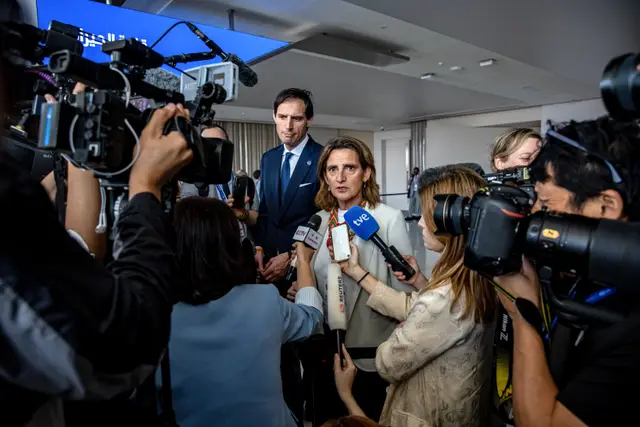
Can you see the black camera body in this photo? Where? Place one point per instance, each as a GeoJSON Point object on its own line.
{"type": "Point", "coordinates": [99, 130]}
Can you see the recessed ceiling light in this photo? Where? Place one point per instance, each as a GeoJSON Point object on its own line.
{"type": "Point", "coordinates": [428, 76]}
{"type": "Point", "coordinates": [455, 68]}
{"type": "Point", "coordinates": [487, 62]}
{"type": "Point", "coordinates": [441, 63]}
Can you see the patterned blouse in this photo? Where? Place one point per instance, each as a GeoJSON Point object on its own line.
{"type": "Point", "coordinates": [438, 364]}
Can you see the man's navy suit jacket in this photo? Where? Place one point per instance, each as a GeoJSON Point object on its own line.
{"type": "Point", "coordinates": [278, 221]}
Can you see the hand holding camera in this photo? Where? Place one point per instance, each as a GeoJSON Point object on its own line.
{"type": "Point", "coordinates": [161, 156]}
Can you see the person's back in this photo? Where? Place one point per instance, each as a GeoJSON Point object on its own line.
{"type": "Point", "coordinates": [226, 334]}
{"type": "Point", "coordinates": [225, 359]}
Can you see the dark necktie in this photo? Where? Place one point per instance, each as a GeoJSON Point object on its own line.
{"type": "Point", "coordinates": [285, 175]}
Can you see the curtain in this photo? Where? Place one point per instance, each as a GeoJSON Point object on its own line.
{"type": "Point", "coordinates": [250, 141]}
{"type": "Point", "coordinates": [418, 145]}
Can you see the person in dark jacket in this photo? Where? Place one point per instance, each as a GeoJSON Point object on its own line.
{"type": "Point", "coordinates": [72, 328]}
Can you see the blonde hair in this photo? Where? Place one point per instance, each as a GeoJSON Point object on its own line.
{"type": "Point", "coordinates": [479, 295]}
{"type": "Point", "coordinates": [509, 142]}
{"type": "Point", "coordinates": [371, 191]}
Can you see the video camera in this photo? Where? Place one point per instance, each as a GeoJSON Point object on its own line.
{"type": "Point", "coordinates": [620, 87]}
{"type": "Point", "coordinates": [99, 130]}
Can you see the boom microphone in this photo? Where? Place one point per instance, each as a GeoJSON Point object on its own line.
{"type": "Point", "coordinates": [246, 75]}
{"type": "Point", "coordinates": [336, 313]}
{"type": "Point", "coordinates": [366, 227]}
{"type": "Point", "coordinates": [307, 234]}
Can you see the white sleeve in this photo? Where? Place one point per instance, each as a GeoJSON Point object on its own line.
{"type": "Point", "coordinates": [78, 238]}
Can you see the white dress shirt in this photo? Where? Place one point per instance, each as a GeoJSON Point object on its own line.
{"type": "Point", "coordinates": [297, 152]}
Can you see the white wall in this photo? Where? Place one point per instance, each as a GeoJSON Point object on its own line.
{"type": "Point", "coordinates": [581, 110]}
{"type": "Point", "coordinates": [448, 144]}
{"type": "Point", "coordinates": [322, 135]}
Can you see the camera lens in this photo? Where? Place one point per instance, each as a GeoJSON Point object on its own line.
{"type": "Point", "coordinates": [620, 87]}
{"type": "Point", "coordinates": [216, 92]}
{"type": "Point", "coordinates": [451, 214]}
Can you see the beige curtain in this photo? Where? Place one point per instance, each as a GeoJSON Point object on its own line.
{"type": "Point", "coordinates": [250, 141]}
{"type": "Point", "coordinates": [418, 145]}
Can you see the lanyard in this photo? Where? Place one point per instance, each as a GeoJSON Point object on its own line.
{"type": "Point", "coordinates": [223, 196]}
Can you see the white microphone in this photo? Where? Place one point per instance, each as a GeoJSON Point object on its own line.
{"type": "Point", "coordinates": [336, 305]}
{"type": "Point", "coordinates": [307, 234]}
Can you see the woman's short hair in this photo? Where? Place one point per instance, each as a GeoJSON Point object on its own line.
{"type": "Point", "coordinates": [509, 142]}
{"type": "Point", "coordinates": [351, 421]}
{"type": "Point", "coordinates": [479, 295]}
{"type": "Point", "coordinates": [324, 199]}
{"type": "Point", "coordinates": [211, 258]}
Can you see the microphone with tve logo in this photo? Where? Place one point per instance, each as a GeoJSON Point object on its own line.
{"type": "Point", "coordinates": [307, 234]}
{"type": "Point", "coordinates": [365, 226]}
{"type": "Point", "coordinates": [336, 311]}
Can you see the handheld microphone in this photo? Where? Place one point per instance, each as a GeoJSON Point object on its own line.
{"type": "Point", "coordinates": [336, 311]}
{"type": "Point", "coordinates": [366, 227]}
{"type": "Point", "coordinates": [246, 75]}
{"type": "Point", "coordinates": [307, 234]}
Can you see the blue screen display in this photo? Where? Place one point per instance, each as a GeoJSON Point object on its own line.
{"type": "Point", "coordinates": [110, 23]}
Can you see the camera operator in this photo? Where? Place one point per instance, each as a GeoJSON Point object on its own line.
{"type": "Point", "coordinates": [73, 328]}
{"type": "Point", "coordinates": [589, 168]}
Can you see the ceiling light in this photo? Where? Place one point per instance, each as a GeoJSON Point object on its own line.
{"type": "Point", "coordinates": [441, 63]}
{"type": "Point", "coordinates": [455, 68]}
{"type": "Point", "coordinates": [487, 62]}
{"type": "Point", "coordinates": [428, 76]}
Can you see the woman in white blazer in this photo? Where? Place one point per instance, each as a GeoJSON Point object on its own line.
{"type": "Point", "coordinates": [348, 178]}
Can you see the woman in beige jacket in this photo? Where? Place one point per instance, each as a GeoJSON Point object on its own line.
{"type": "Point", "coordinates": [438, 360]}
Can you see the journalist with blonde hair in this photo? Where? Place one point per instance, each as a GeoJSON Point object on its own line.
{"type": "Point", "coordinates": [438, 361]}
{"type": "Point", "coordinates": [516, 147]}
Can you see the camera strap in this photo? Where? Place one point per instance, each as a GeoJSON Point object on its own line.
{"type": "Point", "coordinates": [61, 188]}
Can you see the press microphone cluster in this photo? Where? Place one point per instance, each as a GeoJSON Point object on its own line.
{"type": "Point", "coordinates": [366, 227]}
{"type": "Point", "coordinates": [307, 234]}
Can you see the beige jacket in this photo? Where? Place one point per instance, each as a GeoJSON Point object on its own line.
{"type": "Point", "coordinates": [438, 364]}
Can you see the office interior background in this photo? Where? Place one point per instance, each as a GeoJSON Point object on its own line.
{"type": "Point", "coordinates": [422, 82]}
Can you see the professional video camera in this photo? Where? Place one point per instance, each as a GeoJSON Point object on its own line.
{"type": "Point", "coordinates": [620, 87]}
{"type": "Point", "coordinates": [99, 130]}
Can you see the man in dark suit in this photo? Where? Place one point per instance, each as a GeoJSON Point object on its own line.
{"type": "Point", "coordinates": [289, 183]}
{"type": "Point", "coordinates": [288, 187]}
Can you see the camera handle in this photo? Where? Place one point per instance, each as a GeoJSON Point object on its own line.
{"type": "Point", "coordinates": [572, 310]}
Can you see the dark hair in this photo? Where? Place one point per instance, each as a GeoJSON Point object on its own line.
{"type": "Point", "coordinates": [217, 126]}
{"type": "Point", "coordinates": [211, 258]}
{"type": "Point", "coordinates": [256, 174]}
{"type": "Point", "coordinates": [351, 421]}
{"type": "Point", "coordinates": [586, 175]}
{"type": "Point", "coordinates": [294, 93]}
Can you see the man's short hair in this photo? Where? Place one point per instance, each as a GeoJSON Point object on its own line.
{"type": "Point", "coordinates": [294, 93]}
{"type": "Point", "coordinates": [256, 174]}
{"type": "Point", "coordinates": [215, 126]}
{"type": "Point", "coordinates": [586, 174]}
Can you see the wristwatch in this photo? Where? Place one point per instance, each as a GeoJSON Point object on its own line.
{"type": "Point", "coordinates": [531, 314]}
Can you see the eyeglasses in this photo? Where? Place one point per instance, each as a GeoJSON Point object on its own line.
{"type": "Point", "coordinates": [614, 173]}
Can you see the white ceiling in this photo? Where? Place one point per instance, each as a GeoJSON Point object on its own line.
{"type": "Point", "coordinates": [547, 51]}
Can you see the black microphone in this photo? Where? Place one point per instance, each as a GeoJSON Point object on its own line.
{"type": "Point", "coordinates": [365, 226]}
{"type": "Point", "coordinates": [246, 75]}
{"type": "Point", "coordinates": [307, 234]}
{"type": "Point", "coordinates": [206, 40]}
{"type": "Point", "coordinates": [189, 57]}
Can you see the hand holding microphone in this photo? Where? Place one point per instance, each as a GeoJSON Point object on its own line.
{"type": "Point", "coordinates": [365, 226]}
{"type": "Point", "coordinates": [307, 235]}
